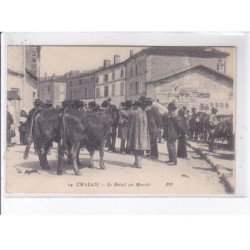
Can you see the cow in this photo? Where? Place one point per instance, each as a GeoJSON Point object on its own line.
{"type": "Point", "coordinates": [83, 128]}
{"type": "Point", "coordinates": [44, 131]}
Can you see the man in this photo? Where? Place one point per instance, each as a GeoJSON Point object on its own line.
{"type": "Point", "coordinates": [154, 126]}
{"type": "Point", "coordinates": [182, 123]}
{"type": "Point", "coordinates": [171, 132]}
{"type": "Point", "coordinates": [138, 134]}
{"type": "Point", "coordinates": [213, 122]}
{"type": "Point", "coordinates": [113, 130]}
{"type": "Point", "coordinates": [10, 121]}
{"type": "Point", "coordinates": [37, 105]}
{"type": "Point", "coordinates": [122, 128]}
{"type": "Point", "coordinates": [192, 125]}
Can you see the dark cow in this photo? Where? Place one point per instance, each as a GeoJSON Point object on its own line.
{"type": "Point", "coordinates": [44, 131]}
{"type": "Point", "coordinates": [83, 128]}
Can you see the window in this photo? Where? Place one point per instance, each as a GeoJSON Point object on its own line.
{"type": "Point", "coordinates": [131, 89]}
{"type": "Point", "coordinates": [113, 75]}
{"type": "Point", "coordinates": [137, 88]}
{"type": "Point", "coordinates": [136, 70]}
{"type": "Point", "coordinates": [80, 82]}
{"type": "Point", "coordinates": [97, 79]}
{"type": "Point", "coordinates": [216, 105]}
{"type": "Point", "coordinates": [86, 93]}
{"type": "Point", "coordinates": [106, 91]}
{"type": "Point", "coordinates": [92, 80]}
{"type": "Point", "coordinates": [131, 72]}
{"type": "Point", "coordinates": [49, 89]}
{"type": "Point", "coordinates": [70, 83]}
{"type": "Point", "coordinates": [113, 90]}
{"type": "Point", "coordinates": [227, 105]}
{"type": "Point", "coordinates": [221, 105]}
{"type": "Point", "coordinates": [202, 106]}
{"type": "Point", "coordinates": [106, 78]}
{"type": "Point", "coordinates": [97, 93]}
{"type": "Point", "coordinates": [122, 89]}
{"type": "Point", "coordinates": [122, 73]}
{"type": "Point", "coordinates": [34, 95]}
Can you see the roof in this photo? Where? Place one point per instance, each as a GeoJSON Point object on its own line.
{"type": "Point", "coordinates": [13, 95]}
{"type": "Point", "coordinates": [170, 77]}
{"type": "Point", "coordinates": [60, 78]}
{"type": "Point", "coordinates": [192, 51]}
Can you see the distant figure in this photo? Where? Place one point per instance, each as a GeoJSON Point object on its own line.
{"type": "Point", "coordinates": [10, 134]}
{"type": "Point", "coordinates": [193, 125]}
{"type": "Point", "coordinates": [213, 122]}
{"type": "Point", "coordinates": [183, 130]}
{"type": "Point", "coordinates": [122, 128]}
{"type": "Point", "coordinates": [138, 134]}
{"type": "Point", "coordinates": [170, 132]}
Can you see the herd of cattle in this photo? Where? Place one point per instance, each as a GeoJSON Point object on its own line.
{"type": "Point", "coordinates": [73, 127]}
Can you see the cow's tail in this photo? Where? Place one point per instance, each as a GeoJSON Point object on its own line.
{"type": "Point", "coordinates": [29, 140]}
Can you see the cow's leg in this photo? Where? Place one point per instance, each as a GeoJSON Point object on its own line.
{"type": "Point", "coordinates": [69, 156]}
{"type": "Point", "coordinates": [77, 157]}
{"type": "Point", "coordinates": [45, 153]}
{"type": "Point", "coordinates": [91, 150]}
{"type": "Point", "coordinates": [75, 148]}
{"type": "Point", "coordinates": [60, 156]}
{"type": "Point", "coordinates": [101, 152]}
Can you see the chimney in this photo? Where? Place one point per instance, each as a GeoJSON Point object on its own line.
{"type": "Point", "coordinates": [131, 53]}
{"type": "Point", "coordinates": [106, 63]}
{"type": "Point", "coordinates": [116, 59]}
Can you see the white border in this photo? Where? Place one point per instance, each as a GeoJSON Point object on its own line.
{"type": "Point", "coordinates": [140, 205]}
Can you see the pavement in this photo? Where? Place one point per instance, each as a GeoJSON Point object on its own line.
{"type": "Point", "coordinates": [194, 176]}
{"type": "Point", "coordinates": [222, 160]}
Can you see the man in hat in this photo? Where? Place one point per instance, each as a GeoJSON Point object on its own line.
{"type": "Point", "coordinates": [138, 139]}
{"type": "Point", "coordinates": [213, 122]}
{"type": "Point", "coordinates": [171, 132]}
{"type": "Point", "coordinates": [154, 126]}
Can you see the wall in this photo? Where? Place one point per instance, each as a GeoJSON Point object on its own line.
{"type": "Point", "coordinates": [193, 90]}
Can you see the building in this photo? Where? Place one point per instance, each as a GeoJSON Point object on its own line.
{"type": "Point", "coordinates": [53, 89]}
{"type": "Point", "coordinates": [110, 81]}
{"type": "Point", "coordinates": [81, 85]}
{"type": "Point", "coordinates": [23, 66]}
{"type": "Point", "coordinates": [199, 86]}
{"type": "Point", "coordinates": [155, 63]}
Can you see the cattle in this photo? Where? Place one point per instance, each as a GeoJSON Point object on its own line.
{"type": "Point", "coordinates": [44, 131]}
{"type": "Point", "coordinates": [83, 128]}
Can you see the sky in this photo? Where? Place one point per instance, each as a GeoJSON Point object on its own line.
{"type": "Point", "coordinates": [59, 60]}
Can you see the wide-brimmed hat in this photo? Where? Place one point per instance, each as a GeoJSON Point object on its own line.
{"type": "Point", "coordinates": [172, 106]}
{"type": "Point", "coordinates": [129, 103]}
{"type": "Point", "coordinates": [38, 102]}
{"type": "Point", "coordinates": [137, 103]}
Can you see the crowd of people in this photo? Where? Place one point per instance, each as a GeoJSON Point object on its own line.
{"type": "Point", "coordinates": [141, 125]}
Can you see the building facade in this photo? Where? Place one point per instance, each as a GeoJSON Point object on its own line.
{"type": "Point", "coordinates": [156, 63]}
{"type": "Point", "coordinates": [110, 82]}
{"type": "Point", "coordinates": [80, 85]}
{"type": "Point", "coordinates": [199, 86]}
{"type": "Point", "coordinates": [53, 89]}
{"type": "Point", "coordinates": [22, 78]}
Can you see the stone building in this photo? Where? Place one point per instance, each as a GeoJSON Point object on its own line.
{"type": "Point", "coordinates": [80, 85]}
{"type": "Point", "coordinates": [53, 89]}
{"type": "Point", "coordinates": [23, 66]}
{"type": "Point", "coordinates": [199, 86]}
{"type": "Point", "coordinates": [155, 63]}
{"type": "Point", "coordinates": [110, 81]}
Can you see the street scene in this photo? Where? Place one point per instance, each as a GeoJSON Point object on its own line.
{"type": "Point", "coordinates": [120, 120]}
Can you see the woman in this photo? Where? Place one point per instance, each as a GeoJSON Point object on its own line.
{"type": "Point", "coordinates": [183, 127]}
{"type": "Point", "coordinates": [138, 134]}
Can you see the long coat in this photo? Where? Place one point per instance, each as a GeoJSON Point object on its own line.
{"type": "Point", "coordinates": [154, 122]}
{"type": "Point", "coordinates": [138, 134]}
{"type": "Point", "coordinates": [171, 129]}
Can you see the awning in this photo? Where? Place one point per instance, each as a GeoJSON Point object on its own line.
{"type": "Point", "coordinates": [13, 95]}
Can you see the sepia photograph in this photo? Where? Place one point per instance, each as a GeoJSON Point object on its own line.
{"type": "Point", "coordinates": [120, 120]}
